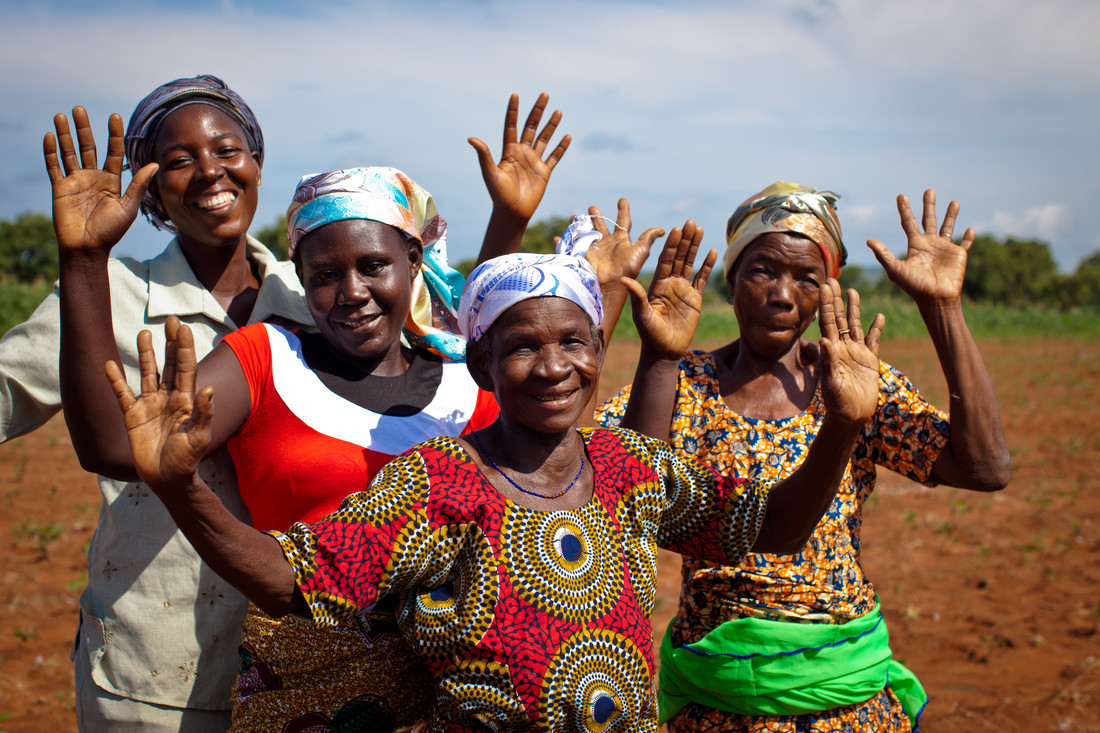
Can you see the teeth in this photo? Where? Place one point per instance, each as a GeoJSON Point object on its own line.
{"type": "Point", "coordinates": [216, 200]}
{"type": "Point", "coordinates": [553, 398]}
{"type": "Point", "coordinates": [356, 323]}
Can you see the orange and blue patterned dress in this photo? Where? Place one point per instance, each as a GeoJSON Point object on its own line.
{"type": "Point", "coordinates": [529, 620]}
{"type": "Point", "coordinates": [825, 583]}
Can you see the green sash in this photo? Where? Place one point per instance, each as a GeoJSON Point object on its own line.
{"type": "Point", "coordinates": [752, 666]}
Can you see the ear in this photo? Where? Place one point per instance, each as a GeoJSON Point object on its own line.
{"type": "Point", "coordinates": [416, 258]}
{"type": "Point", "coordinates": [478, 356]}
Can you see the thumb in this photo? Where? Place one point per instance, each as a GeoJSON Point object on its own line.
{"type": "Point", "coordinates": [639, 300]}
{"type": "Point", "coordinates": [883, 254]}
{"type": "Point", "coordinates": [138, 186]}
{"type": "Point", "coordinates": [484, 157]}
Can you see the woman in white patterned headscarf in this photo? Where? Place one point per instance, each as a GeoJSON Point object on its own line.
{"type": "Point", "coordinates": [522, 554]}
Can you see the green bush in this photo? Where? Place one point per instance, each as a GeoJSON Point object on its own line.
{"type": "Point", "coordinates": [18, 300]}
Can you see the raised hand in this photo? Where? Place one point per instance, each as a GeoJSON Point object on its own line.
{"type": "Point", "coordinates": [667, 316]}
{"type": "Point", "coordinates": [849, 360]}
{"type": "Point", "coordinates": [517, 183]}
{"type": "Point", "coordinates": [168, 425]}
{"type": "Point", "coordinates": [615, 256]}
{"type": "Point", "coordinates": [90, 211]}
{"type": "Point", "coordinates": [934, 265]}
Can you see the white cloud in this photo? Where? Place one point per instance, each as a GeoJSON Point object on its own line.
{"type": "Point", "coordinates": [1045, 221]}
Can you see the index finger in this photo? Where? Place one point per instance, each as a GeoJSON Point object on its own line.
{"type": "Point", "coordinates": [827, 311]}
{"type": "Point", "coordinates": [597, 220]}
{"type": "Point", "coordinates": [49, 152]}
{"type": "Point", "coordinates": [908, 221]}
{"type": "Point", "coordinates": [115, 145]}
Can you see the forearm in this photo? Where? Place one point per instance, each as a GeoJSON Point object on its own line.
{"type": "Point", "coordinates": [251, 561]}
{"type": "Point", "coordinates": [87, 344]}
{"type": "Point", "coordinates": [652, 395]}
{"type": "Point", "coordinates": [503, 235]}
{"type": "Point", "coordinates": [797, 503]}
{"type": "Point", "coordinates": [977, 455]}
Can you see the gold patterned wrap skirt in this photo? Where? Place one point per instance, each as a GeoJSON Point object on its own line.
{"type": "Point", "coordinates": [296, 676]}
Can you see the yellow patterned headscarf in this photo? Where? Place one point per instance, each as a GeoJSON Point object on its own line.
{"type": "Point", "coordinates": [787, 207]}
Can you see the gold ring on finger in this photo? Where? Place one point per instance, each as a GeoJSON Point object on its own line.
{"type": "Point", "coordinates": [843, 331]}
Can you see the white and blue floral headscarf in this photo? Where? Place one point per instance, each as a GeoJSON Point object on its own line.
{"type": "Point", "coordinates": [498, 284]}
{"type": "Point", "coordinates": [388, 196]}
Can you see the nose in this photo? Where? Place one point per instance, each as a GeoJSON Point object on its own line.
{"type": "Point", "coordinates": [782, 292]}
{"type": "Point", "coordinates": [353, 290]}
{"type": "Point", "coordinates": [553, 364]}
{"type": "Point", "coordinates": [210, 167]}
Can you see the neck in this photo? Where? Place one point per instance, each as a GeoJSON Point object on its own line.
{"type": "Point", "coordinates": [526, 452]}
{"type": "Point", "coordinates": [740, 362]}
{"type": "Point", "coordinates": [221, 270]}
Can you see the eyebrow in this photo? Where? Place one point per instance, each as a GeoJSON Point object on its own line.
{"type": "Point", "coordinates": [216, 138]}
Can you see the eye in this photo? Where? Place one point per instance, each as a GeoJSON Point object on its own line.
{"type": "Point", "coordinates": [228, 151]}
{"type": "Point", "coordinates": [178, 162]}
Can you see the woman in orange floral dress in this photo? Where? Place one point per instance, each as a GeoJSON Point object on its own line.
{"type": "Point", "coordinates": [796, 643]}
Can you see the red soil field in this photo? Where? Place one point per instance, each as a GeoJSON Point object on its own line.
{"type": "Point", "coordinates": [992, 599]}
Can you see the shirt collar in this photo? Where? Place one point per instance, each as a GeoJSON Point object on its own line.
{"type": "Point", "coordinates": [174, 289]}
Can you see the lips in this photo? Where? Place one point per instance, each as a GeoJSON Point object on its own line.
{"type": "Point", "coordinates": [557, 397]}
{"type": "Point", "coordinates": [358, 322]}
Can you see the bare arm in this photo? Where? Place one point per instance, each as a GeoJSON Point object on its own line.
{"type": "Point", "coordinates": [90, 215]}
{"type": "Point", "coordinates": [976, 456]}
{"type": "Point", "coordinates": [169, 431]}
{"type": "Point", "coordinates": [517, 183]}
{"type": "Point", "coordinates": [849, 374]}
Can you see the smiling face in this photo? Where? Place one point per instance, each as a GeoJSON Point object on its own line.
{"type": "Point", "coordinates": [775, 291]}
{"type": "Point", "coordinates": [358, 278]}
{"type": "Point", "coordinates": [208, 177]}
{"type": "Point", "coordinates": [541, 359]}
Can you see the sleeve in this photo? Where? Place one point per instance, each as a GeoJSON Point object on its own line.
{"type": "Point", "coordinates": [379, 542]}
{"type": "Point", "coordinates": [30, 370]}
{"type": "Point", "coordinates": [485, 412]}
{"type": "Point", "coordinates": [702, 513]}
{"type": "Point", "coordinates": [908, 433]}
{"type": "Point", "coordinates": [690, 418]}
{"type": "Point", "coordinates": [610, 413]}
{"type": "Point", "coordinates": [252, 347]}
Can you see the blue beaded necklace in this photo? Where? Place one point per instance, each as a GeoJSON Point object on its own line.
{"type": "Point", "coordinates": [532, 493]}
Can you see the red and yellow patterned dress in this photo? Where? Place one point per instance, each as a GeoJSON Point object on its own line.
{"type": "Point", "coordinates": [825, 583]}
{"type": "Point", "coordinates": [529, 620]}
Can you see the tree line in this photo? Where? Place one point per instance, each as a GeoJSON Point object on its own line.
{"type": "Point", "coordinates": [1011, 272]}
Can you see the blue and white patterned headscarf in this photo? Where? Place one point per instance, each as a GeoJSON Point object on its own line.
{"type": "Point", "coordinates": [388, 196]}
{"type": "Point", "coordinates": [149, 115]}
{"type": "Point", "coordinates": [498, 284]}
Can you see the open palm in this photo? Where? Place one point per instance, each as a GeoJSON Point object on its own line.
{"type": "Point", "coordinates": [668, 315]}
{"type": "Point", "coordinates": [849, 361]}
{"type": "Point", "coordinates": [90, 210]}
{"type": "Point", "coordinates": [518, 182]}
{"type": "Point", "coordinates": [934, 265]}
{"type": "Point", "coordinates": [167, 424]}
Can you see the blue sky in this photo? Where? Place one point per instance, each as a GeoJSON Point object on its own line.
{"type": "Point", "coordinates": [683, 108]}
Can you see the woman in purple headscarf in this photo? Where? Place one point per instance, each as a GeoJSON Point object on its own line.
{"type": "Point", "coordinates": [159, 630]}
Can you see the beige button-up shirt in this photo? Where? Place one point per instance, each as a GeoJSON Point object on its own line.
{"type": "Point", "coordinates": [157, 624]}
